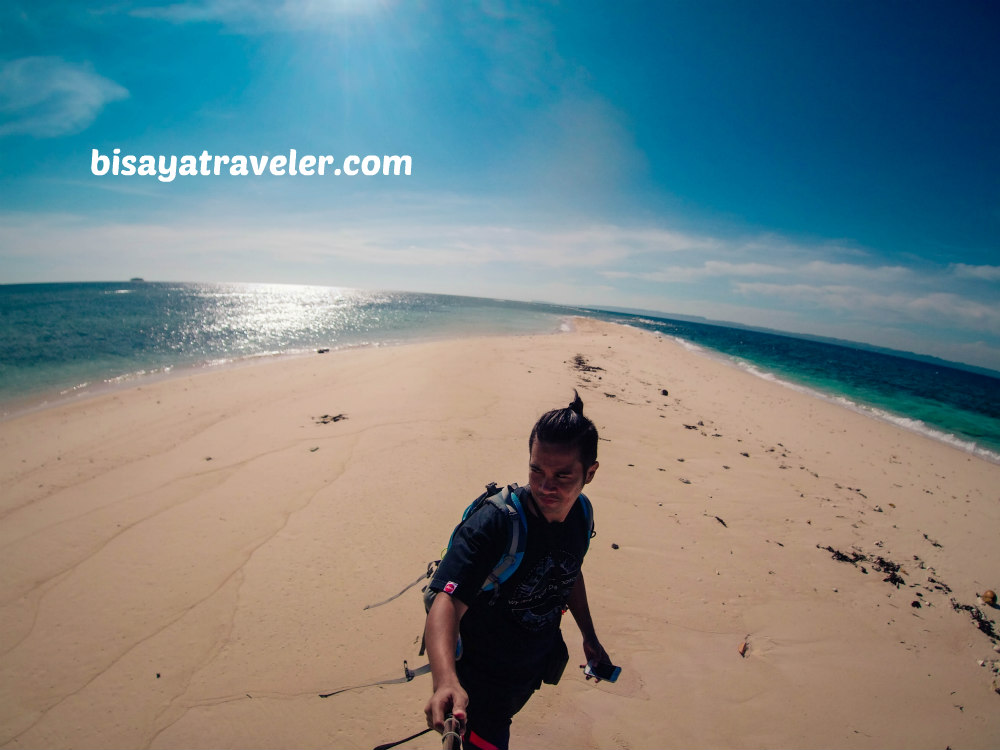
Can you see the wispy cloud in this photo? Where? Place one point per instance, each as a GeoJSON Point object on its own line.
{"type": "Point", "coordinates": [937, 309]}
{"type": "Point", "coordinates": [788, 262]}
{"type": "Point", "coordinates": [855, 272]}
{"type": "Point", "coordinates": [962, 310]}
{"type": "Point", "coordinates": [48, 97]}
{"type": "Point", "coordinates": [425, 246]}
{"type": "Point", "coordinates": [984, 273]}
{"type": "Point", "coordinates": [708, 269]}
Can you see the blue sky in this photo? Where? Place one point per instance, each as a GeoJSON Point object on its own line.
{"type": "Point", "coordinates": [820, 167]}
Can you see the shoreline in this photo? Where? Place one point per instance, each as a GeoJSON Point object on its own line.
{"type": "Point", "coordinates": [878, 413]}
{"type": "Point", "coordinates": [58, 397]}
{"type": "Point", "coordinates": [872, 411]}
{"type": "Point", "coordinates": [17, 407]}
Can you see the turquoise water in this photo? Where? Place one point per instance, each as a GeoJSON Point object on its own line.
{"type": "Point", "coordinates": [60, 339]}
{"type": "Point", "coordinates": [951, 404]}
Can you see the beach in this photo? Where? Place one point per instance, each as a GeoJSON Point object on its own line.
{"type": "Point", "coordinates": [187, 563]}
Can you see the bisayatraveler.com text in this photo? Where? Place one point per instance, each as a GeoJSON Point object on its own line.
{"type": "Point", "coordinates": [167, 167]}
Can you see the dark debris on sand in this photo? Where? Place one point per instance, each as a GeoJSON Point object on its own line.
{"type": "Point", "coordinates": [939, 585]}
{"type": "Point", "coordinates": [932, 541]}
{"type": "Point", "coordinates": [327, 418]}
{"type": "Point", "coordinates": [854, 558]}
{"type": "Point", "coordinates": [879, 563]}
{"type": "Point", "coordinates": [580, 363]}
{"type": "Point", "coordinates": [891, 569]}
{"type": "Point", "coordinates": [982, 622]}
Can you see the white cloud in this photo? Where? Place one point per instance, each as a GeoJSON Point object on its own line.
{"type": "Point", "coordinates": [723, 268]}
{"type": "Point", "coordinates": [791, 266]}
{"type": "Point", "coordinates": [853, 272]}
{"type": "Point", "coordinates": [934, 309]}
{"type": "Point", "coordinates": [960, 309]}
{"type": "Point", "coordinates": [48, 97]}
{"type": "Point", "coordinates": [984, 273]}
{"type": "Point", "coordinates": [425, 246]}
{"type": "Point", "coordinates": [708, 269]}
{"type": "Point", "coordinates": [833, 296]}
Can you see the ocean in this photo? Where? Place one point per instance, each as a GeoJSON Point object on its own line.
{"type": "Point", "coordinates": [59, 341]}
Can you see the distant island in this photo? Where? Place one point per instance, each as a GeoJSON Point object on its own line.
{"type": "Point", "coordinates": [136, 278]}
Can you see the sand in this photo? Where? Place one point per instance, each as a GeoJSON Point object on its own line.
{"type": "Point", "coordinates": [186, 563]}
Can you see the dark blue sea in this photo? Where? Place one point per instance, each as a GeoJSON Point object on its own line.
{"type": "Point", "coordinates": [62, 340]}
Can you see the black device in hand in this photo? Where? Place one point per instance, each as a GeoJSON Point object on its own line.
{"type": "Point", "coordinates": [602, 671]}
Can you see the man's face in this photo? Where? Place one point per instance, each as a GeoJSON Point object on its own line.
{"type": "Point", "coordinates": [556, 477]}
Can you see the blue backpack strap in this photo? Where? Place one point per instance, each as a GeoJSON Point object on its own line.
{"type": "Point", "coordinates": [509, 502]}
{"type": "Point", "coordinates": [491, 489]}
{"type": "Point", "coordinates": [517, 536]}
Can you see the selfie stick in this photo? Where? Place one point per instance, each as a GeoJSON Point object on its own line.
{"type": "Point", "coordinates": [450, 738]}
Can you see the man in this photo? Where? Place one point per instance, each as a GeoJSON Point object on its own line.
{"type": "Point", "coordinates": [510, 637]}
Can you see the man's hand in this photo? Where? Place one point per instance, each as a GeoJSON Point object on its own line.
{"type": "Point", "coordinates": [447, 699]}
{"type": "Point", "coordinates": [595, 654]}
{"type": "Point", "coordinates": [580, 608]}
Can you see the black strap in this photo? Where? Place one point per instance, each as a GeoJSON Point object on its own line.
{"type": "Point", "coordinates": [408, 674]}
{"type": "Point", "coordinates": [400, 742]}
{"type": "Point", "coordinates": [455, 730]}
{"type": "Point", "coordinates": [431, 567]}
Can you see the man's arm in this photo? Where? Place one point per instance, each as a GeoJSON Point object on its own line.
{"type": "Point", "coordinates": [441, 639]}
{"type": "Point", "coordinates": [580, 608]}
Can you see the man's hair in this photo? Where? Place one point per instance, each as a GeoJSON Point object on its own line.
{"type": "Point", "coordinates": [568, 427]}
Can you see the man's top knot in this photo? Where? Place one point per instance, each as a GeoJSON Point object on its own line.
{"type": "Point", "coordinates": [568, 426]}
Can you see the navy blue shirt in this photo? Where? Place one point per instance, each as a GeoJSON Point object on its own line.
{"type": "Point", "coordinates": [507, 635]}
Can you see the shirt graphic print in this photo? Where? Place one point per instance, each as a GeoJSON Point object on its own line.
{"type": "Point", "coordinates": [538, 600]}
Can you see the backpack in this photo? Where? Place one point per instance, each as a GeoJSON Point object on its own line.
{"type": "Point", "coordinates": [507, 500]}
